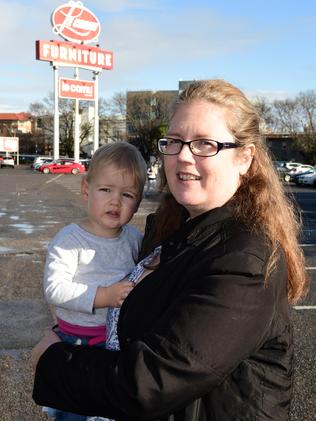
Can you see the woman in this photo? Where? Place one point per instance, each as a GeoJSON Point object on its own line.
{"type": "Point", "coordinates": [207, 335]}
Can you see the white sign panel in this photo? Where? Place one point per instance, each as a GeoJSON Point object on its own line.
{"type": "Point", "coordinates": [9, 144]}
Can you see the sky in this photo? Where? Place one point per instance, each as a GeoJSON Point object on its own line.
{"type": "Point", "coordinates": [266, 48]}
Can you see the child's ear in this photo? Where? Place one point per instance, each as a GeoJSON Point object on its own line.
{"type": "Point", "coordinates": [84, 188]}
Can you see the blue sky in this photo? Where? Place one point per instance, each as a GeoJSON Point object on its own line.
{"type": "Point", "coordinates": [267, 48]}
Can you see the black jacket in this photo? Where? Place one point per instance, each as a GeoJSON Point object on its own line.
{"type": "Point", "coordinates": [202, 338]}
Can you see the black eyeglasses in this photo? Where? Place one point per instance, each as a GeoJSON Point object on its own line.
{"type": "Point", "coordinates": [199, 147]}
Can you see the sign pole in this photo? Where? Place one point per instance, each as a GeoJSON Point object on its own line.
{"type": "Point", "coordinates": [56, 114]}
{"type": "Point", "coordinates": [77, 126]}
{"type": "Point", "coordinates": [96, 112]}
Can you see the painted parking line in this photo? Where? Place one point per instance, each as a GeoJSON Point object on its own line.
{"type": "Point", "coordinates": [304, 307]}
{"type": "Point", "coordinates": [54, 179]}
{"type": "Point", "coordinates": [310, 268]}
{"type": "Point", "coordinates": [307, 245]}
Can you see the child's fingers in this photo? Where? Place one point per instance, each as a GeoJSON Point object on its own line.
{"type": "Point", "coordinates": [126, 283]}
{"type": "Point", "coordinates": [125, 293]}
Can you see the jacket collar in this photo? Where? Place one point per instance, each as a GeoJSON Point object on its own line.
{"type": "Point", "coordinates": [196, 229]}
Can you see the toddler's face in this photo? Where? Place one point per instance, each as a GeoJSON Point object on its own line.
{"type": "Point", "coordinates": [112, 200]}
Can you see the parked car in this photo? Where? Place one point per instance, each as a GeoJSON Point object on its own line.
{"type": "Point", "coordinates": [297, 171]}
{"type": "Point", "coordinates": [292, 165]}
{"type": "Point", "coordinates": [308, 180]}
{"type": "Point", "coordinates": [281, 169]}
{"type": "Point", "coordinates": [296, 178]}
{"type": "Point", "coordinates": [6, 161]}
{"type": "Point", "coordinates": [64, 166]}
{"type": "Point", "coordinates": [37, 165]}
{"type": "Point", "coordinates": [40, 160]}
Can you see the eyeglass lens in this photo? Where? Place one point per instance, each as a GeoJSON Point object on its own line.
{"type": "Point", "coordinates": [202, 147]}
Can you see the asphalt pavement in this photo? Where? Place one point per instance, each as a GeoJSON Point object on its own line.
{"type": "Point", "coordinates": [33, 207]}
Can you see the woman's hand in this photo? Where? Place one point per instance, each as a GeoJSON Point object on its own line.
{"type": "Point", "coordinates": [49, 339]}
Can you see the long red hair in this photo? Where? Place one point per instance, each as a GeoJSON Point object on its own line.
{"type": "Point", "coordinates": [260, 201]}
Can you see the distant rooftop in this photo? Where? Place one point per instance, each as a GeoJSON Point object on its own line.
{"type": "Point", "coordinates": [15, 116]}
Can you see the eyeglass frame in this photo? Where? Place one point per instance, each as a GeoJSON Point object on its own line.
{"type": "Point", "coordinates": [220, 146]}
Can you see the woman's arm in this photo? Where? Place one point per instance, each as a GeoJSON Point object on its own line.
{"type": "Point", "coordinates": [209, 328]}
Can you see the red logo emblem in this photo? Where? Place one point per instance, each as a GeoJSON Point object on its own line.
{"type": "Point", "coordinates": [76, 23]}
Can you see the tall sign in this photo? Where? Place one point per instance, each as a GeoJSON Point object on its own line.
{"type": "Point", "coordinates": [78, 26]}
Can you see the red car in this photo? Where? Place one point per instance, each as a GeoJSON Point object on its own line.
{"type": "Point", "coordinates": [64, 166]}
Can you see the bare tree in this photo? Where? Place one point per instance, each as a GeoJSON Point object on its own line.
{"type": "Point", "coordinates": [44, 112]}
{"type": "Point", "coordinates": [306, 139]}
{"type": "Point", "coordinates": [117, 105]}
{"type": "Point", "coordinates": [265, 111]}
{"type": "Point", "coordinates": [147, 117]}
{"type": "Point", "coordinates": [286, 116]}
{"type": "Point", "coordinates": [297, 117]}
{"type": "Point", "coordinates": [112, 118]}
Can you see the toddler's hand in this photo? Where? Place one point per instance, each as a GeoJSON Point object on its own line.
{"type": "Point", "coordinates": [118, 292]}
{"type": "Point", "coordinates": [114, 295]}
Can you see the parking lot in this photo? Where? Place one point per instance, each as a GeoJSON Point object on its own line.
{"type": "Point", "coordinates": [33, 207]}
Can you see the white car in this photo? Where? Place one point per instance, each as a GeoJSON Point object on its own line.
{"type": "Point", "coordinates": [38, 164]}
{"type": "Point", "coordinates": [6, 161]}
{"type": "Point", "coordinates": [291, 165]}
{"type": "Point", "coordinates": [39, 160]}
{"type": "Point", "coordinates": [308, 180]}
{"type": "Point", "coordinates": [299, 169]}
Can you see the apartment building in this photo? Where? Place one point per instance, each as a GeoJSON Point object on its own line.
{"type": "Point", "coordinates": [13, 124]}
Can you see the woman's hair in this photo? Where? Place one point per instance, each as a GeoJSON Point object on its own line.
{"type": "Point", "coordinates": [260, 201]}
{"type": "Point", "coordinates": [125, 157]}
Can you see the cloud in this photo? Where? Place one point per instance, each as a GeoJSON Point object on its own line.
{"type": "Point", "coordinates": [270, 95]}
{"type": "Point", "coordinates": [152, 44]}
{"type": "Point", "coordinates": [157, 40]}
{"type": "Point", "coordinates": [151, 39]}
{"type": "Point", "coordinates": [123, 5]}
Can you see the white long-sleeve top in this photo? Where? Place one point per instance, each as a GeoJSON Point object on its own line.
{"type": "Point", "coordinates": [78, 262]}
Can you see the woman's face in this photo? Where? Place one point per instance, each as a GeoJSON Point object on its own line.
{"type": "Point", "coordinates": [204, 183]}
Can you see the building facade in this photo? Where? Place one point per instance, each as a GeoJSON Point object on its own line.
{"type": "Point", "coordinates": [13, 124]}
